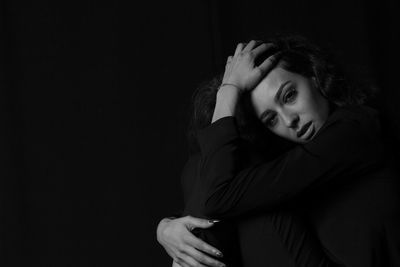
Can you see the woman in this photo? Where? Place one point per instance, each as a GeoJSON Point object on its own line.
{"type": "Point", "coordinates": [336, 175]}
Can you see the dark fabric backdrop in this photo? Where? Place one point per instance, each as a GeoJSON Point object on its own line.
{"type": "Point", "coordinates": [94, 106]}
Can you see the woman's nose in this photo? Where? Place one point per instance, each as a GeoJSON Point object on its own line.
{"type": "Point", "coordinates": [290, 120]}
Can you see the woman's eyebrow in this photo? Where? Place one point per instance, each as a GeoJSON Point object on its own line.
{"type": "Point", "coordinates": [279, 92]}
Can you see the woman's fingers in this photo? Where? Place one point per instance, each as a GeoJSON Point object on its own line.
{"type": "Point", "coordinates": [239, 48]}
{"type": "Point", "coordinates": [199, 244]}
{"type": "Point", "coordinates": [181, 262]}
{"type": "Point", "coordinates": [242, 70]}
{"type": "Point", "coordinates": [203, 258]}
{"type": "Point", "coordinates": [174, 236]}
{"type": "Point", "coordinates": [187, 259]}
{"type": "Point", "coordinates": [261, 49]}
{"type": "Point", "coordinates": [247, 47]}
{"type": "Point", "coordinates": [269, 63]}
{"type": "Point", "coordinates": [175, 264]}
{"type": "Point", "coordinates": [188, 254]}
{"type": "Point", "coordinates": [193, 222]}
{"type": "Point", "coordinates": [250, 45]}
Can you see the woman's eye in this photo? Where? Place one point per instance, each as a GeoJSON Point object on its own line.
{"type": "Point", "coordinates": [270, 121]}
{"type": "Point", "coordinates": [290, 96]}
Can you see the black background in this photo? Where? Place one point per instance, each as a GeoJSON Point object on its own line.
{"type": "Point", "coordinates": [94, 106]}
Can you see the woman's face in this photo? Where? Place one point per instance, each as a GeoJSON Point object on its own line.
{"type": "Point", "coordinates": [290, 105]}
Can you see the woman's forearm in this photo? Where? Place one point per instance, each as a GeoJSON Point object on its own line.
{"type": "Point", "coordinates": [227, 99]}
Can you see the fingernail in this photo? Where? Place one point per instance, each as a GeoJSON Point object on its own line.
{"type": "Point", "coordinates": [213, 221]}
{"type": "Point", "coordinates": [219, 254]}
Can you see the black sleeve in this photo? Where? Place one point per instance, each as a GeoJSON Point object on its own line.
{"type": "Point", "coordinates": [343, 147]}
{"type": "Point", "coordinates": [223, 235]}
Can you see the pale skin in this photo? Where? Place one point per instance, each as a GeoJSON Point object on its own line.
{"type": "Point", "coordinates": [240, 75]}
{"type": "Point", "coordinates": [299, 103]}
{"type": "Point", "coordinates": [185, 248]}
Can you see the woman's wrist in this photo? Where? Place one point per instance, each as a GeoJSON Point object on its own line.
{"type": "Point", "coordinates": [227, 99]}
{"type": "Point", "coordinates": [227, 89]}
{"type": "Point", "coordinates": [231, 86]}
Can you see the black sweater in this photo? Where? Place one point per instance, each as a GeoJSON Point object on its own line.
{"type": "Point", "coordinates": [341, 183]}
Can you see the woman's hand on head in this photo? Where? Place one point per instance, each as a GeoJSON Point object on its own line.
{"type": "Point", "coordinates": [184, 247]}
{"type": "Point", "coordinates": [240, 69]}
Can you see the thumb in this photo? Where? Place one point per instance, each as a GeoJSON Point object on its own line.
{"type": "Point", "coordinates": [193, 222]}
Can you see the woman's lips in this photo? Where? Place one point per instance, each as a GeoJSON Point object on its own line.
{"type": "Point", "coordinates": [307, 131]}
{"type": "Point", "coordinates": [303, 129]}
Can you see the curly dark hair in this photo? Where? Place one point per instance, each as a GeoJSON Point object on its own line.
{"type": "Point", "coordinates": [297, 55]}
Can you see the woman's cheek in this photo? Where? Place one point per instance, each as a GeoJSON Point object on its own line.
{"type": "Point", "coordinates": [282, 132]}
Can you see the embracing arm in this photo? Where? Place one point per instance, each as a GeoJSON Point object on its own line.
{"type": "Point", "coordinates": [186, 239]}
{"type": "Point", "coordinates": [344, 146]}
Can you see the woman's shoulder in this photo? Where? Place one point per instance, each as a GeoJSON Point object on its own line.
{"type": "Point", "coordinates": [362, 113]}
{"type": "Point", "coordinates": [350, 129]}
{"type": "Point", "coordinates": [364, 118]}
